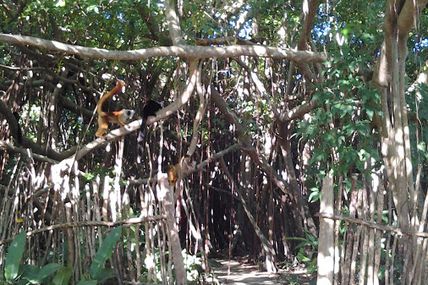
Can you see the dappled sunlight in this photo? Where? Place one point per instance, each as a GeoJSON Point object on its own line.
{"type": "Point", "coordinates": [266, 160]}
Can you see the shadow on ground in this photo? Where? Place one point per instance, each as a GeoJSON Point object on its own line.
{"type": "Point", "coordinates": [239, 273]}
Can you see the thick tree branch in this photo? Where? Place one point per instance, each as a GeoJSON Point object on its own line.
{"type": "Point", "coordinates": [409, 15]}
{"type": "Point", "coordinates": [184, 51]}
{"type": "Point", "coordinates": [135, 125]}
{"type": "Point", "coordinates": [297, 112]}
{"type": "Point", "coordinates": [11, 120]}
{"type": "Point", "coordinates": [173, 23]}
{"type": "Point", "coordinates": [222, 41]}
{"type": "Point", "coordinates": [9, 147]}
{"type": "Point", "coordinates": [45, 153]}
{"type": "Point", "coordinates": [309, 12]}
{"type": "Point", "coordinates": [199, 115]}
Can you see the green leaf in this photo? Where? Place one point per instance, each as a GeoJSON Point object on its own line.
{"type": "Point", "coordinates": [93, 8]}
{"type": "Point", "coordinates": [30, 273]}
{"type": "Point", "coordinates": [315, 195]}
{"type": "Point", "coordinates": [88, 282]}
{"type": "Point", "coordinates": [62, 276]}
{"type": "Point", "coordinates": [88, 176]}
{"type": "Point", "coordinates": [370, 113]}
{"type": "Point", "coordinates": [36, 275]}
{"type": "Point", "coordinates": [47, 270]}
{"type": "Point", "coordinates": [104, 253]}
{"type": "Point", "coordinates": [14, 255]}
{"type": "Point", "coordinates": [105, 274]}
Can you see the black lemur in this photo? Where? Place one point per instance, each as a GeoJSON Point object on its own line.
{"type": "Point", "coordinates": [149, 110]}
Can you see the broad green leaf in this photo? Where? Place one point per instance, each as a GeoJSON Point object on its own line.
{"type": "Point", "coordinates": [104, 252]}
{"type": "Point", "coordinates": [48, 270]}
{"type": "Point", "coordinates": [14, 255]}
{"type": "Point", "coordinates": [62, 276]}
{"type": "Point", "coordinates": [104, 274]}
{"type": "Point", "coordinates": [30, 274]}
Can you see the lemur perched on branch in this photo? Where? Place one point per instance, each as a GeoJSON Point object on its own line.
{"type": "Point", "coordinates": [120, 117]}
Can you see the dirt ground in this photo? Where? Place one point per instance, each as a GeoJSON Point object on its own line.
{"type": "Point", "coordinates": [239, 273]}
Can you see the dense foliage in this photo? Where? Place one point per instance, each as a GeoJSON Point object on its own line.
{"type": "Point", "coordinates": [291, 125]}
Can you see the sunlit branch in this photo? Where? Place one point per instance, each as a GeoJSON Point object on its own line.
{"type": "Point", "coordinates": [199, 115]}
{"type": "Point", "coordinates": [184, 51]}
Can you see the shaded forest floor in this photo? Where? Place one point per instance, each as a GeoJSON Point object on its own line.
{"type": "Point", "coordinates": [241, 272]}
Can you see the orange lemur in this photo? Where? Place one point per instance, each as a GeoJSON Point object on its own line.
{"type": "Point", "coordinates": [120, 117]}
{"type": "Point", "coordinates": [182, 168]}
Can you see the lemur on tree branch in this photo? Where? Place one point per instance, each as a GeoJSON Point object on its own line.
{"type": "Point", "coordinates": [120, 117]}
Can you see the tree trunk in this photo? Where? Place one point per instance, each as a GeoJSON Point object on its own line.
{"type": "Point", "coordinates": [326, 235]}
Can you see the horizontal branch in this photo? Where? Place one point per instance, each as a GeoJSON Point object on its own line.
{"type": "Point", "coordinates": [128, 222]}
{"type": "Point", "coordinates": [9, 147]}
{"type": "Point", "coordinates": [216, 156]}
{"type": "Point", "coordinates": [198, 167]}
{"type": "Point", "coordinates": [385, 228]}
{"type": "Point", "coordinates": [298, 112]}
{"type": "Point", "coordinates": [184, 51]}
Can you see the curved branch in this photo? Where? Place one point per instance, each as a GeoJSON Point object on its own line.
{"type": "Point", "coordinates": [409, 16]}
{"type": "Point", "coordinates": [75, 108]}
{"type": "Point", "coordinates": [297, 112]}
{"type": "Point", "coordinates": [199, 115]}
{"type": "Point", "coordinates": [173, 23]}
{"type": "Point", "coordinates": [309, 13]}
{"type": "Point", "coordinates": [15, 131]}
{"type": "Point", "coordinates": [183, 99]}
{"type": "Point", "coordinates": [135, 125]}
{"type": "Point", "coordinates": [9, 147]}
{"type": "Point", "coordinates": [184, 51]}
{"type": "Point", "coordinates": [46, 154]}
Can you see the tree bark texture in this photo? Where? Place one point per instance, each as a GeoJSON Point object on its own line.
{"type": "Point", "coordinates": [326, 235]}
